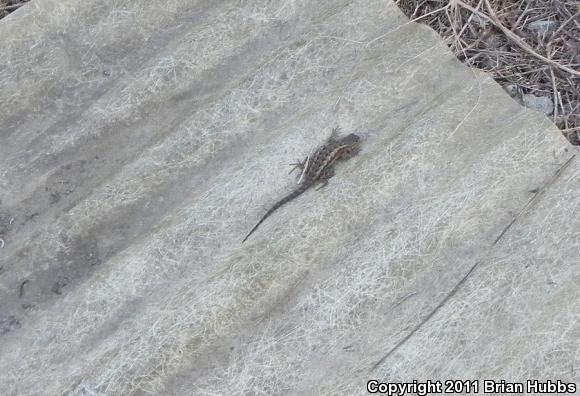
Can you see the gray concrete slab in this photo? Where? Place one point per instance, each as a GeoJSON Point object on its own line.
{"type": "Point", "coordinates": [140, 142]}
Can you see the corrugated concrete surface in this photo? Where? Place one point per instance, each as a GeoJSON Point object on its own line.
{"type": "Point", "coordinates": [140, 141]}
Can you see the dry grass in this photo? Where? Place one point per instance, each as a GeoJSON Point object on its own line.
{"type": "Point", "coordinates": [8, 6]}
{"type": "Point", "coordinates": [531, 47]}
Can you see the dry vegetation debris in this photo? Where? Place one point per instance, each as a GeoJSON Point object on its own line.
{"type": "Point", "coordinates": [531, 47]}
{"type": "Point", "coordinates": [8, 6]}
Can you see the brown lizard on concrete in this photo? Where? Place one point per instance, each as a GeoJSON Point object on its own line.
{"type": "Point", "coordinates": [317, 168]}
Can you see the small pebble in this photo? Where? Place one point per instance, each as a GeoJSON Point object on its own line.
{"type": "Point", "coordinates": [512, 90]}
{"type": "Point", "coordinates": [539, 103]}
{"type": "Point", "coordinates": [543, 27]}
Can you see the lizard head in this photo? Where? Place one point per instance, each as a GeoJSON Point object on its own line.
{"type": "Point", "coordinates": [350, 139]}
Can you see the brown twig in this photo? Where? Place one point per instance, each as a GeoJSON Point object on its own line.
{"type": "Point", "coordinates": [11, 7]}
{"type": "Point", "coordinates": [21, 290]}
{"type": "Point", "coordinates": [514, 37]}
{"type": "Point", "coordinates": [475, 35]}
{"type": "Point", "coordinates": [572, 18]}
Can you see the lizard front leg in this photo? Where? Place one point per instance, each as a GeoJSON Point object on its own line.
{"type": "Point", "coordinates": [334, 135]}
{"type": "Point", "coordinates": [350, 152]}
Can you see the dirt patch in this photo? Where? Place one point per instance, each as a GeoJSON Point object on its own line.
{"type": "Point", "coordinates": [8, 324]}
{"type": "Point", "coordinates": [531, 47]}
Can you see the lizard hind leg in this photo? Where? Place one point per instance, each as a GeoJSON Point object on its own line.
{"type": "Point", "coordinates": [325, 176]}
{"type": "Point", "coordinates": [303, 166]}
{"type": "Point", "coordinates": [297, 165]}
{"type": "Point", "coordinates": [300, 164]}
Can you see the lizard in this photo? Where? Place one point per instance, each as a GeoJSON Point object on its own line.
{"type": "Point", "coordinates": [317, 168]}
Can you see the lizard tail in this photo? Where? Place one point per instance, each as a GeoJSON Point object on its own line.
{"type": "Point", "coordinates": [281, 202]}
